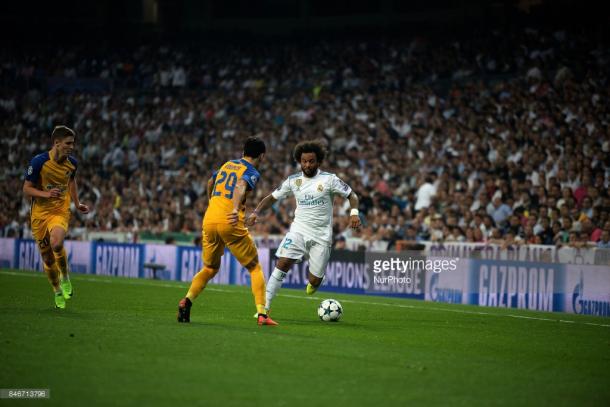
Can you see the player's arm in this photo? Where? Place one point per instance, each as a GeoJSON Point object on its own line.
{"type": "Point", "coordinates": [30, 191]}
{"type": "Point", "coordinates": [32, 178]}
{"type": "Point", "coordinates": [354, 218]}
{"type": "Point", "coordinates": [210, 187]}
{"type": "Point", "coordinates": [239, 193]}
{"type": "Point", "coordinates": [337, 186]}
{"type": "Point", "coordinates": [283, 191]}
{"type": "Point", "coordinates": [82, 208]}
{"type": "Point", "coordinates": [262, 206]}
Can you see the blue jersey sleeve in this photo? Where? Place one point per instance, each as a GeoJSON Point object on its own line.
{"type": "Point", "coordinates": [32, 174]}
{"type": "Point", "coordinates": [251, 176]}
{"type": "Point", "coordinates": [75, 164]}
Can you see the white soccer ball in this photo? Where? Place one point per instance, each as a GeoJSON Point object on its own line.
{"type": "Point", "coordinates": [330, 310]}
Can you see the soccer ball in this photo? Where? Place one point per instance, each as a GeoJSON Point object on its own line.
{"type": "Point", "coordinates": [330, 310]}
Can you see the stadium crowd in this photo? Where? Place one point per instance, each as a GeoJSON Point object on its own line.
{"type": "Point", "coordinates": [502, 137]}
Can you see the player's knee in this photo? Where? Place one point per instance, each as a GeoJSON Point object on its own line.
{"type": "Point", "coordinates": [57, 246]}
{"type": "Point", "coordinates": [250, 266]}
{"type": "Point", "coordinates": [284, 264]}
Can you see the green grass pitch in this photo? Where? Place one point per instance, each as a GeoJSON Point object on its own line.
{"type": "Point", "coordinates": [118, 343]}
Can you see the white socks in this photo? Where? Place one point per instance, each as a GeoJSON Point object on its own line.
{"type": "Point", "coordinates": [273, 286]}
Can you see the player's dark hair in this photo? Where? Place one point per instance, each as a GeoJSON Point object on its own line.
{"type": "Point", "coordinates": [254, 147]}
{"type": "Point", "coordinates": [62, 132]}
{"type": "Point", "coordinates": [310, 146]}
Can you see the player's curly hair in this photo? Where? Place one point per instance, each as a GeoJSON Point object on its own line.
{"type": "Point", "coordinates": [310, 146]}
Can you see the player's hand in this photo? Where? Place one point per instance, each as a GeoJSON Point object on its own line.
{"type": "Point", "coordinates": [54, 193]}
{"type": "Point", "coordinates": [251, 219]}
{"type": "Point", "coordinates": [354, 221]}
{"type": "Point", "coordinates": [82, 208]}
{"type": "Point", "coordinates": [233, 217]}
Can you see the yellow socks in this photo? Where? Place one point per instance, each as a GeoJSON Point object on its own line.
{"type": "Point", "coordinates": [62, 262]}
{"type": "Point", "coordinates": [52, 274]}
{"type": "Point", "coordinates": [200, 281]}
{"type": "Point", "coordinates": [257, 282]}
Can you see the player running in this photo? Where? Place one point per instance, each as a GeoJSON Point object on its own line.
{"type": "Point", "coordinates": [223, 225]}
{"type": "Point", "coordinates": [51, 184]}
{"type": "Point", "coordinates": [310, 235]}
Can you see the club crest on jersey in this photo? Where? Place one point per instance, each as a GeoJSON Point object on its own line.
{"type": "Point", "coordinates": [320, 187]}
{"type": "Point", "coordinates": [298, 183]}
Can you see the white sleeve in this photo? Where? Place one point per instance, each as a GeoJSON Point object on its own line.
{"type": "Point", "coordinates": [338, 187]}
{"type": "Point", "coordinates": [283, 190]}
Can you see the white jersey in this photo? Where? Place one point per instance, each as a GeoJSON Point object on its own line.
{"type": "Point", "coordinates": [313, 217]}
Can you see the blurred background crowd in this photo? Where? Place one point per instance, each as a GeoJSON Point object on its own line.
{"type": "Point", "coordinates": [497, 135]}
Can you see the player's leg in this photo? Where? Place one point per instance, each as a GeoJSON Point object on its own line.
{"type": "Point", "coordinates": [291, 249]}
{"type": "Point", "coordinates": [257, 282]}
{"type": "Point", "coordinates": [58, 227]}
{"type": "Point", "coordinates": [241, 245]}
{"type": "Point", "coordinates": [213, 247]}
{"type": "Point", "coordinates": [40, 234]}
{"type": "Point", "coordinates": [200, 280]}
{"type": "Point", "coordinates": [276, 279]}
{"type": "Point", "coordinates": [318, 259]}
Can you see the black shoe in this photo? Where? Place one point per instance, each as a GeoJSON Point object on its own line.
{"type": "Point", "coordinates": [184, 310]}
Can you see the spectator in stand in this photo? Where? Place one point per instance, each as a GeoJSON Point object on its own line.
{"type": "Point", "coordinates": [536, 137]}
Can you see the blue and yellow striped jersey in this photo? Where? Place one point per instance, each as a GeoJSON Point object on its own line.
{"type": "Point", "coordinates": [46, 173]}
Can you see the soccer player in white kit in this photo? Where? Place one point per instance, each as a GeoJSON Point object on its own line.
{"type": "Point", "coordinates": [310, 236]}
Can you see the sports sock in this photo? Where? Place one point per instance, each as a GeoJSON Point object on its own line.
{"type": "Point", "coordinates": [273, 285]}
{"type": "Point", "coordinates": [200, 281]}
{"type": "Point", "coordinates": [53, 275]}
{"type": "Point", "coordinates": [257, 282]}
{"type": "Point", "coordinates": [62, 263]}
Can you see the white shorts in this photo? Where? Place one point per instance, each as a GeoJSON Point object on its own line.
{"type": "Point", "coordinates": [295, 246]}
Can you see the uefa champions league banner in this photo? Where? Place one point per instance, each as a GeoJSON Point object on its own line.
{"type": "Point", "coordinates": [163, 255]}
{"type": "Point", "coordinates": [530, 252]}
{"type": "Point", "coordinates": [8, 253]}
{"type": "Point", "coordinates": [79, 256]}
{"type": "Point", "coordinates": [240, 275]}
{"type": "Point", "coordinates": [122, 260]}
{"type": "Point", "coordinates": [180, 262]}
{"type": "Point", "coordinates": [189, 262]}
{"type": "Point", "coordinates": [346, 273]}
{"type": "Point", "coordinates": [534, 285]}
{"type": "Point", "coordinates": [27, 255]}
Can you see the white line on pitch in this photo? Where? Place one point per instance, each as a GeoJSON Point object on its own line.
{"type": "Point", "coordinates": [384, 304]}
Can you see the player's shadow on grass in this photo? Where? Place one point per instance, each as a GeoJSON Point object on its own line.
{"type": "Point", "coordinates": [265, 330]}
{"type": "Point", "coordinates": [317, 323]}
{"type": "Point", "coordinates": [61, 313]}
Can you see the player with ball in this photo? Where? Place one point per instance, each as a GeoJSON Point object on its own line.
{"type": "Point", "coordinates": [310, 235]}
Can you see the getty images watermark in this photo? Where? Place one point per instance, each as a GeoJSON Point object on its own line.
{"type": "Point", "coordinates": [404, 272]}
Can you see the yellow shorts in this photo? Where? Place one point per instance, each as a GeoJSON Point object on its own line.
{"type": "Point", "coordinates": [236, 238]}
{"type": "Point", "coordinates": [41, 228]}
